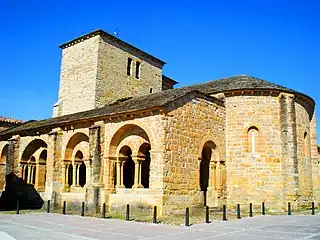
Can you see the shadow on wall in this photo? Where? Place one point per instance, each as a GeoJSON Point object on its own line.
{"type": "Point", "coordinates": [17, 188]}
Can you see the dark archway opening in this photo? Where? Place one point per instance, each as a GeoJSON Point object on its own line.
{"type": "Point", "coordinates": [70, 177]}
{"type": "Point", "coordinates": [82, 174]}
{"type": "Point", "coordinates": [145, 168]}
{"type": "Point", "coordinates": [204, 172]}
{"type": "Point", "coordinates": [128, 170]}
{"type": "Point", "coordinates": [26, 173]}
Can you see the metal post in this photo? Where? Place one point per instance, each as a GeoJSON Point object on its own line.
{"type": "Point", "coordinates": [18, 206]}
{"type": "Point", "coordinates": [238, 211]}
{"type": "Point", "coordinates": [154, 220]}
{"type": "Point", "coordinates": [187, 217]}
{"type": "Point", "coordinates": [128, 213]}
{"type": "Point", "coordinates": [312, 208]}
{"type": "Point", "coordinates": [207, 215]}
{"type": "Point", "coordinates": [48, 206]}
{"type": "Point", "coordinates": [263, 212]}
{"type": "Point", "coordinates": [103, 215]}
{"type": "Point", "coordinates": [224, 213]}
{"type": "Point", "coordinates": [289, 208]}
{"type": "Point", "coordinates": [64, 207]}
{"type": "Point", "coordinates": [250, 210]}
{"type": "Point", "coordinates": [82, 209]}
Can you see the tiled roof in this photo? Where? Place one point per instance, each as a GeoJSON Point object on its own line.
{"type": "Point", "coordinates": [159, 99]}
{"type": "Point", "coordinates": [10, 120]}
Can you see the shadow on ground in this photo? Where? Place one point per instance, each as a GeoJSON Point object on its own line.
{"type": "Point", "coordinates": [17, 189]}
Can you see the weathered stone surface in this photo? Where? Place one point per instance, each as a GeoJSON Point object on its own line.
{"type": "Point", "coordinates": [250, 141]}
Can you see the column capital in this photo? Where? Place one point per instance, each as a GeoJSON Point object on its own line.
{"type": "Point", "coordinates": [138, 159]}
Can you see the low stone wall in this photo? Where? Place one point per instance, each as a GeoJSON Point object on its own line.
{"type": "Point", "coordinates": [140, 200]}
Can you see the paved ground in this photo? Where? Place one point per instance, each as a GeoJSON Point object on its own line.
{"type": "Point", "coordinates": [55, 226]}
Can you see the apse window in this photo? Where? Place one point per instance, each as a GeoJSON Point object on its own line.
{"type": "Point", "coordinates": [129, 67]}
{"type": "Point", "coordinates": [138, 66]}
{"type": "Point", "coordinates": [253, 133]}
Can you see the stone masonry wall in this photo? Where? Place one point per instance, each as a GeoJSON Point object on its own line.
{"type": "Point", "coordinates": [187, 129]}
{"type": "Point", "coordinates": [315, 156]}
{"type": "Point", "coordinates": [253, 177]}
{"type": "Point", "coordinates": [78, 77]}
{"type": "Point", "coordinates": [304, 155]}
{"type": "Point", "coordinates": [113, 83]}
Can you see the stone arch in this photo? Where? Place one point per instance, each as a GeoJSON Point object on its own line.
{"type": "Point", "coordinates": [3, 161]}
{"type": "Point", "coordinates": [125, 131]}
{"type": "Point", "coordinates": [31, 148]}
{"type": "Point", "coordinates": [74, 140]}
{"type": "Point", "coordinates": [4, 154]}
{"type": "Point", "coordinates": [33, 160]}
{"type": "Point", "coordinates": [253, 139]}
{"type": "Point", "coordinates": [124, 146]}
{"type": "Point", "coordinates": [205, 181]}
{"type": "Point", "coordinates": [76, 155]}
{"type": "Point", "coordinates": [205, 141]}
{"type": "Point", "coordinates": [247, 144]}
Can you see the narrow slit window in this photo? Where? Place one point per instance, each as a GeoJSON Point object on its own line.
{"type": "Point", "coordinates": [129, 66]}
{"type": "Point", "coordinates": [253, 133]}
{"type": "Point", "coordinates": [138, 64]}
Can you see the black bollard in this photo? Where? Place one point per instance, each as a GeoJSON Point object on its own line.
{"type": "Point", "coordinates": [250, 210]}
{"type": "Point", "coordinates": [82, 209]}
{"type": "Point", "coordinates": [207, 215]}
{"type": "Point", "coordinates": [312, 208]}
{"type": "Point", "coordinates": [64, 207]}
{"type": "Point", "coordinates": [289, 208]}
{"type": "Point", "coordinates": [128, 213]}
{"type": "Point", "coordinates": [224, 213]}
{"type": "Point", "coordinates": [187, 217]}
{"type": "Point", "coordinates": [238, 211]}
{"type": "Point", "coordinates": [18, 206]}
{"type": "Point", "coordinates": [48, 206]}
{"type": "Point", "coordinates": [154, 220]}
{"type": "Point", "coordinates": [263, 212]}
{"type": "Point", "coordinates": [103, 214]}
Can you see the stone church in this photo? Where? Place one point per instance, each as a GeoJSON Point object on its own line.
{"type": "Point", "coordinates": [121, 134]}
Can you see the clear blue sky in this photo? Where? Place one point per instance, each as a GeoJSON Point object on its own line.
{"type": "Point", "coordinates": [200, 40]}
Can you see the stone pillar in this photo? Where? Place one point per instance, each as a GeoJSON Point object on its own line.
{"type": "Point", "coordinates": [65, 174]}
{"type": "Point", "coordinates": [314, 159]}
{"type": "Point", "coordinates": [53, 168]}
{"type": "Point", "coordinates": [40, 176]}
{"type": "Point", "coordinates": [218, 176]}
{"type": "Point", "coordinates": [120, 173]}
{"type": "Point", "coordinates": [12, 164]}
{"type": "Point", "coordinates": [289, 148]}
{"type": "Point", "coordinates": [137, 172]}
{"type": "Point", "coordinates": [95, 153]}
{"type": "Point", "coordinates": [74, 175]}
{"type": "Point", "coordinates": [110, 173]}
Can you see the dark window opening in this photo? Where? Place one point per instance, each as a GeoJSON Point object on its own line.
{"type": "Point", "coordinates": [151, 90]}
{"type": "Point", "coordinates": [82, 174]}
{"type": "Point", "coordinates": [138, 70]}
{"type": "Point", "coordinates": [70, 171]}
{"type": "Point", "coordinates": [145, 170]}
{"type": "Point", "coordinates": [128, 172]}
{"type": "Point", "coordinates": [115, 175]}
{"type": "Point", "coordinates": [129, 66]}
{"type": "Point", "coordinates": [26, 174]}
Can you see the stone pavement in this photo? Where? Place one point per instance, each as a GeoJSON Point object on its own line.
{"type": "Point", "coordinates": [56, 226]}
